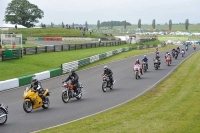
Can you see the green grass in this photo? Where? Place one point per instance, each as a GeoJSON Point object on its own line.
{"type": "Point", "coordinates": [171, 107]}
{"type": "Point", "coordinates": [53, 32]}
{"type": "Point", "coordinates": [181, 38]}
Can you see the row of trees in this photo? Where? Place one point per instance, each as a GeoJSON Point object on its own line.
{"type": "Point", "coordinates": [27, 14]}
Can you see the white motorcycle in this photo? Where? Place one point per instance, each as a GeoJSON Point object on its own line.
{"type": "Point", "coordinates": [3, 114]}
{"type": "Point", "coordinates": [137, 71]}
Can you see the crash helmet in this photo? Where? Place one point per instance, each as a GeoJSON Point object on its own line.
{"type": "Point", "coordinates": [34, 80]}
{"type": "Point", "coordinates": [105, 67]}
{"type": "Point", "coordinates": [72, 71]}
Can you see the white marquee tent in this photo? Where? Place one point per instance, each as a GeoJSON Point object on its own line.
{"type": "Point", "coordinates": [11, 26]}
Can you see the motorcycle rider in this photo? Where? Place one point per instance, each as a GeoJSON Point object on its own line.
{"type": "Point", "coordinates": [37, 86]}
{"type": "Point", "coordinates": [173, 52]}
{"type": "Point", "coordinates": [178, 49]}
{"type": "Point", "coordinates": [145, 59]}
{"type": "Point", "coordinates": [74, 78]}
{"type": "Point", "coordinates": [158, 58]}
{"type": "Point", "coordinates": [168, 55]}
{"type": "Point", "coordinates": [109, 73]}
{"type": "Point", "coordinates": [138, 63]}
{"type": "Point", "coordinates": [183, 50]}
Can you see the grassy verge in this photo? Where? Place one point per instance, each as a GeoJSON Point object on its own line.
{"type": "Point", "coordinates": [171, 107]}
{"type": "Point", "coordinates": [31, 64]}
{"type": "Point", "coordinates": [54, 32]}
{"type": "Point", "coordinates": [181, 38]}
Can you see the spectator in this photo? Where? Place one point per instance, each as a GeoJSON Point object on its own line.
{"type": "Point", "coordinates": [99, 40]}
{"type": "Point", "coordinates": [15, 26]}
{"type": "Point", "coordinates": [90, 32]}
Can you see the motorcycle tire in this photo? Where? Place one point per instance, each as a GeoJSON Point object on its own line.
{"type": "Point", "coordinates": [4, 118]}
{"type": "Point", "coordinates": [104, 89]}
{"type": "Point", "coordinates": [46, 105]}
{"type": "Point", "coordinates": [65, 97]}
{"type": "Point", "coordinates": [26, 107]}
{"type": "Point", "coordinates": [79, 96]}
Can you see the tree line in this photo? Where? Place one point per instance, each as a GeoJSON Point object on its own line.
{"type": "Point", "coordinates": [27, 14]}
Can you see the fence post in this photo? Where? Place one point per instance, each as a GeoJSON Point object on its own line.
{"type": "Point", "coordinates": [54, 48]}
{"type": "Point", "coordinates": [81, 46]}
{"type": "Point", "coordinates": [69, 46]}
{"type": "Point", "coordinates": [45, 48]}
{"type": "Point", "coordinates": [36, 50]}
{"type": "Point", "coordinates": [62, 47]}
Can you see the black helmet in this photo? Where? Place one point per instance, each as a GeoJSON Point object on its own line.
{"type": "Point", "coordinates": [72, 71]}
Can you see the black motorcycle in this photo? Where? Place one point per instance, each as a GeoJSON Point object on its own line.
{"type": "Point", "coordinates": [156, 64]}
{"type": "Point", "coordinates": [106, 83]}
{"type": "Point", "coordinates": [176, 55]}
{"type": "Point", "coordinates": [3, 114]}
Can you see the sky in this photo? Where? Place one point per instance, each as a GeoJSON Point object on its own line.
{"type": "Point", "coordinates": [80, 11]}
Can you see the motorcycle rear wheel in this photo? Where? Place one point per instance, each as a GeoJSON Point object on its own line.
{"type": "Point", "coordinates": [104, 89]}
{"type": "Point", "coordinates": [4, 118]}
{"type": "Point", "coordinates": [27, 106]}
{"type": "Point", "coordinates": [46, 105]}
{"type": "Point", "coordinates": [65, 97]}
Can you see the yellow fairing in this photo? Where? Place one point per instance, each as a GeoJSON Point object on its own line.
{"type": "Point", "coordinates": [33, 96]}
{"type": "Point", "coordinates": [46, 91]}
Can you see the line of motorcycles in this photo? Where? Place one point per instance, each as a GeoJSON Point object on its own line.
{"type": "Point", "coordinates": [34, 100]}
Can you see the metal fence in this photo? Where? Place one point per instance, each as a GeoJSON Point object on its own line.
{"type": "Point", "coordinates": [64, 47]}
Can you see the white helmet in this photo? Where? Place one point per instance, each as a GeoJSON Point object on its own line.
{"type": "Point", "coordinates": [105, 67]}
{"type": "Point", "coordinates": [145, 56]}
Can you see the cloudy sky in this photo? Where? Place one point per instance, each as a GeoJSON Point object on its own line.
{"type": "Point", "coordinates": [80, 11]}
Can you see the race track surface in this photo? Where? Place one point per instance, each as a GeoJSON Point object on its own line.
{"type": "Point", "coordinates": [94, 99]}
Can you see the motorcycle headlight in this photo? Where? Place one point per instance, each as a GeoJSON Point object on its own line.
{"type": "Point", "coordinates": [25, 94]}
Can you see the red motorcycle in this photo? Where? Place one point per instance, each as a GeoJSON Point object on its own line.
{"type": "Point", "coordinates": [69, 93]}
{"type": "Point", "coordinates": [168, 60]}
{"type": "Point", "coordinates": [194, 47]}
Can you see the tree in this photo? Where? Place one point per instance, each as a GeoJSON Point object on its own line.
{"type": "Point", "coordinates": [139, 23]}
{"type": "Point", "coordinates": [125, 24]}
{"type": "Point", "coordinates": [186, 24]}
{"type": "Point", "coordinates": [86, 25]}
{"type": "Point", "coordinates": [111, 24]}
{"type": "Point", "coordinates": [23, 12]}
{"type": "Point", "coordinates": [52, 24]}
{"type": "Point", "coordinates": [170, 24]}
{"type": "Point", "coordinates": [154, 23]}
{"type": "Point", "coordinates": [98, 24]}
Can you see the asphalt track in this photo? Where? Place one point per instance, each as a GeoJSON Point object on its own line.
{"type": "Point", "coordinates": [94, 99]}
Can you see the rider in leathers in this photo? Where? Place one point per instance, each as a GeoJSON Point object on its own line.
{"type": "Point", "coordinates": [109, 73]}
{"type": "Point", "coordinates": [145, 59]}
{"type": "Point", "coordinates": [37, 86]}
{"type": "Point", "coordinates": [74, 77]}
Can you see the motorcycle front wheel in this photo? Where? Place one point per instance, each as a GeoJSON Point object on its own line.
{"type": "Point", "coordinates": [27, 106]}
{"type": "Point", "coordinates": [3, 117]}
{"type": "Point", "coordinates": [79, 95]}
{"type": "Point", "coordinates": [104, 84]}
{"type": "Point", "coordinates": [65, 97]}
{"type": "Point", "coordinates": [46, 104]}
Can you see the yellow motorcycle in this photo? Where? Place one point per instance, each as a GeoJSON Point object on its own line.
{"type": "Point", "coordinates": [32, 100]}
